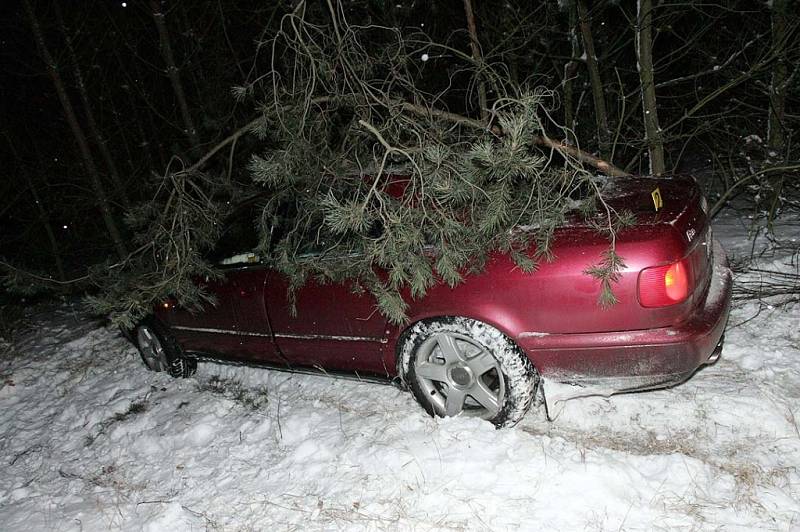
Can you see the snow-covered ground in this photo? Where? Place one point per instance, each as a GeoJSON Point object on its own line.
{"type": "Point", "coordinates": [89, 440]}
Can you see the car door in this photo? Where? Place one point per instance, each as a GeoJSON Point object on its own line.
{"type": "Point", "coordinates": [237, 326]}
{"type": "Point", "coordinates": [254, 339]}
{"type": "Point", "coordinates": [335, 327]}
{"type": "Point", "coordinates": [205, 331]}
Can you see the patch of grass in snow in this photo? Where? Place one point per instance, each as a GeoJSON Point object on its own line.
{"type": "Point", "coordinates": [732, 459]}
{"type": "Point", "coordinates": [108, 476]}
{"type": "Point", "coordinates": [251, 398]}
{"type": "Point", "coordinates": [136, 407]}
{"type": "Point", "coordinates": [747, 475]}
{"type": "Point", "coordinates": [642, 444]}
{"type": "Point", "coordinates": [748, 479]}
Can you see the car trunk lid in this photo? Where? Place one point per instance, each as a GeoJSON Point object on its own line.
{"type": "Point", "coordinates": [676, 205]}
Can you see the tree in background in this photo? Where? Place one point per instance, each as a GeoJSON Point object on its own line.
{"type": "Point", "coordinates": [362, 97]}
{"type": "Point", "coordinates": [592, 67]}
{"type": "Point", "coordinates": [80, 136]}
{"type": "Point", "coordinates": [165, 43]}
{"type": "Point", "coordinates": [644, 60]}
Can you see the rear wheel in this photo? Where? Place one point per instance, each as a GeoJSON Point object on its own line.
{"type": "Point", "coordinates": [161, 352]}
{"type": "Point", "coordinates": [462, 366]}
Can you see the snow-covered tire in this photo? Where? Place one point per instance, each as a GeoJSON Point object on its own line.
{"type": "Point", "coordinates": [455, 365]}
{"type": "Point", "coordinates": [160, 351]}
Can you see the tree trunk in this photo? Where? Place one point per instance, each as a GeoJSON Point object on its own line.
{"type": "Point", "coordinates": [94, 130]}
{"type": "Point", "coordinates": [780, 72]}
{"type": "Point", "coordinates": [147, 141]}
{"type": "Point", "coordinates": [77, 131]}
{"type": "Point", "coordinates": [476, 55]}
{"type": "Point", "coordinates": [600, 113]}
{"type": "Point", "coordinates": [157, 140]}
{"type": "Point", "coordinates": [174, 74]}
{"type": "Point", "coordinates": [126, 141]}
{"type": "Point", "coordinates": [644, 52]}
{"type": "Point", "coordinates": [570, 71]}
{"type": "Point", "coordinates": [48, 227]}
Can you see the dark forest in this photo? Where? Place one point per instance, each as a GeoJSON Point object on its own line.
{"type": "Point", "coordinates": [106, 102]}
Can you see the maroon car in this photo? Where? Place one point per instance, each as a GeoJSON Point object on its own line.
{"type": "Point", "coordinates": [481, 347]}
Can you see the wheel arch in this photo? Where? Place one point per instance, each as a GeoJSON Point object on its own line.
{"type": "Point", "coordinates": [400, 334]}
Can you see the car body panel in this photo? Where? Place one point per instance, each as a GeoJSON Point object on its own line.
{"type": "Point", "coordinates": [642, 357]}
{"type": "Point", "coordinates": [552, 314]}
{"type": "Point", "coordinates": [334, 326]}
{"type": "Point", "coordinates": [236, 327]}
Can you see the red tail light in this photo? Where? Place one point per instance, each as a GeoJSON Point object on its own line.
{"type": "Point", "coordinates": [664, 285]}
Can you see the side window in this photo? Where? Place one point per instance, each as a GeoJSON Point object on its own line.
{"type": "Point", "coordinates": [238, 239]}
{"type": "Point", "coordinates": [317, 243]}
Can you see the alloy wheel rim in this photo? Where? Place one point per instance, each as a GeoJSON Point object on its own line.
{"type": "Point", "coordinates": [459, 375]}
{"type": "Point", "coordinates": [151, 349]}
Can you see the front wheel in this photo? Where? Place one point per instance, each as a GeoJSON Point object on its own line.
{"type": "Point", "coordinates": [161, 352]}
{"type": "Point", "coordinates": [460, 365]}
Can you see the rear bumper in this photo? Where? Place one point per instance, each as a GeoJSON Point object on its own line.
{"type": "Point", "coordinates": [636, 360]}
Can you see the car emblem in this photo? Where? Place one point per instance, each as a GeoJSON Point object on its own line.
{"type": "Point", "coordinates": [690, 233]}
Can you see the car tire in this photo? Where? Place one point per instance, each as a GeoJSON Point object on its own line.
{"type": "Point", "coordinates": [459, 365]}
{"type": "Point", "coordinates": [160, 351]}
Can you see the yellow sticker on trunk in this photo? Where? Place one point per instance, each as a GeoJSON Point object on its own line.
{"type": "Point", "coordinates": [657, 201]}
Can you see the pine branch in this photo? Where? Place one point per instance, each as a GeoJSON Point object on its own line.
{"type": "Point", "coordinates": [540, 140]}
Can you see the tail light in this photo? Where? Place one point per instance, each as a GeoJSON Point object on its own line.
{"type": "Point", "coordinates": [664, 285]}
